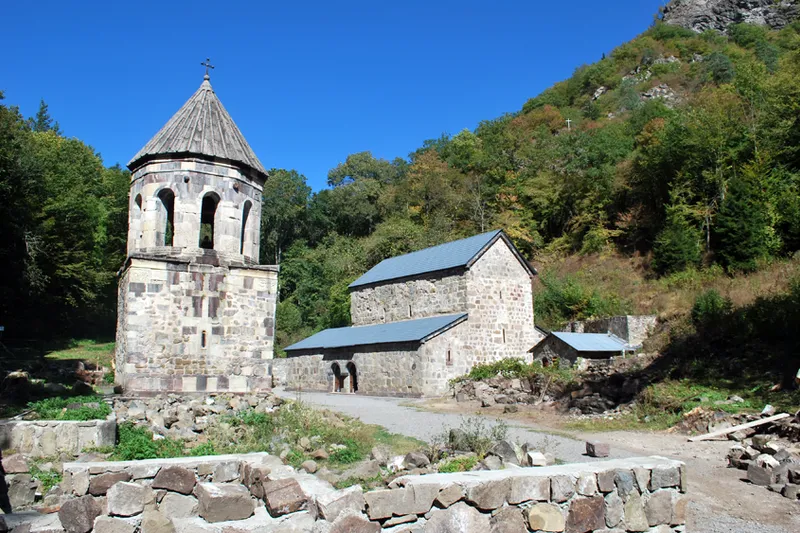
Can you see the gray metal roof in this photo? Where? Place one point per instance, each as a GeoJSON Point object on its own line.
{"type": "Point", "coordinates": [592, 342]}
{"type": "Point", "coordinates": [445, 256]}
{"type": "Point", "coordinates": [201, 127]}
{"type": "Point", "coordinates": [404, 331]}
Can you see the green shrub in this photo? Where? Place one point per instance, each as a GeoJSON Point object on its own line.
{"type": "Point", "coordinates": [563, 300]}
{"type": "Point", "coordinates": [136, 443]}
{"type": "Point", "coordinates": [47, 479]}
{"type": "Point", "coordinates": [511, 367]}
{"type": "Point", "coordinates": [349, 454]}
{"type": "Point", "coordinates": [663, 32]}
{"type": "Point", "coordinates": [710, 307]}
{"type": "Point", "coordinates": [207, 448]}
{"type": "Point", "coordinates": [459, 464]}
{"type": "Point", "coordinates": [56, 408]}
{"type": "Point", "coordinates": [719, 68]}
{"type": "Point", "coordinates": [476, 436]}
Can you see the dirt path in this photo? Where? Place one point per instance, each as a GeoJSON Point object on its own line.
{"type": "Point", "coordinates": [721, 501]}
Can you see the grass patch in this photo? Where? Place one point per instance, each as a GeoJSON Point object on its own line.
{"type": "Point", "coordinates": [99, 353]}
{"type": "Point", "coordinates": [48, 479]}
{"type": "Point", "coordinates": [89, 408]}
{"type": "Point", "coordinates": [459, 464]}
{"type": "Point", "coordinates": [366, 484]}
{"type": "Point", "coordinates": [136, 443]}
{"type": "Point", "coordinates": [517, 368]}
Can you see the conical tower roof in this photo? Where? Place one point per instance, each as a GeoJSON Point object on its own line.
{"type": "Point", "coordinates": [202, 127]}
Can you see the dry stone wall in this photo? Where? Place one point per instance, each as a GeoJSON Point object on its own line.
{"type": "Point", "coordinates": [195, 323]}
{"type": "Point", "coordinates": [47, 438]}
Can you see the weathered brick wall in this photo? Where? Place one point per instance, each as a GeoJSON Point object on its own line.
{"type": "Point", "coordinates": [190, 180]}
{"type": "Point", "coordinates": [440, 294]}
{"type": "Point", "coordinates": [169, 308]}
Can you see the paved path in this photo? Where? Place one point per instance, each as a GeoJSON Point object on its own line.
{"type": "Point", "coordinates": [399, 416]}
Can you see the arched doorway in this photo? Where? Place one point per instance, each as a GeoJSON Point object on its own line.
{"type": "Point", "coordinates": [338, 378]}
{"type": "Point", "coordinates": [351, 369]}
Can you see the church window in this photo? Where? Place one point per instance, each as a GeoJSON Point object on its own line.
{"type": "Point", "coordinates": [245, 216]}
{"type": "Point", "coordinates": [208, 214]}
{"type": "Point", "coordinates": [167, 216]}
{"type": "Point", "coordinates": [138, 203]}
{"type": "Point", "coordinates": [504, 335]}
{"type": "Point", "coordinates": [449, 359]}
{"type": "Point", "coordinates": [409, 310]}
{"type": "Point", "coordinates": [203, 339]}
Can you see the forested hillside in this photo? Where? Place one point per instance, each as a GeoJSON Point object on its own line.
{"type": "Point", "coordinates": [680, 150]}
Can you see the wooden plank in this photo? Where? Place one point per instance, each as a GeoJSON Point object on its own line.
{"type": "Point", "coordinates": [752, 424]}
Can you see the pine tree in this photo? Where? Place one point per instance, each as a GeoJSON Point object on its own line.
{"type": "Point", "coordinates": [742, 234]}
{"type": "Point", "coordinates": [677, 247]}
{"type": "Point", "coordinates": [43, 122]}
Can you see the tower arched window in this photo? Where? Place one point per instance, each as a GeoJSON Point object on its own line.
{"type": "Point", "coordinates": [248, 205]}
{"type": "Point", "coordinates": [166, 217]}
{"type": "Point", "coordinates": [208, 214]}
{"type": "Point", "coordinates": [136, 220]}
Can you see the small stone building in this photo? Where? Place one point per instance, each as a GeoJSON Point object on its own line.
{"type": "Point", "coordinates": [563, 346]}
{"type": "Point", "coordinates": [196, 311]}
{"type": "Point", "coordinates": [423, 318]}
{"type": "Point", "coordinates": [633, 329]}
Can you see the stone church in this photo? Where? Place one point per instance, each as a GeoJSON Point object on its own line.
{"type": "Point", "coordinates": [196, 311]}
{"type": "Point", "coordinates": [423, 318]}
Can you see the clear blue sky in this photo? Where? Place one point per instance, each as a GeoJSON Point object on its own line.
{"type": "Point", "coordinates": [307, 82]}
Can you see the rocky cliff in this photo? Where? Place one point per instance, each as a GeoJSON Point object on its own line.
{"type": "Point", "coordinates": [702, 15]}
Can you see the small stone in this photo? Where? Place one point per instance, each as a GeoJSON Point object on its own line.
{"type": "Point", "coordinates": [768, 410]}
{"type": "Point", "coordinates": [605, 480]}
{"type": "Point", "coordinates": [253, 477]}
{"type": "Point", "coordinates": [587, 485]}
{"type": "Point", "coordinates": [77, 516]}
{"type": "Point", "coordinates": [508, 520]}
{"type": "Point", "coordinates": [597, 449]}
{"type": "Point", "coordinates": [791, 491]}
{"type": "Point", "coordinates": [305, 443]}
{"type": "Point", "coordinates": [679, 511]}
{"type": "Point", "coordinates": [492, 462]}
{"type": "Point", "coordinates": [156, 522]}
{"type": "Point", "coordinates": [767, 461]}
{"type": "Point", "coordinates": [562, 488]}
{"type": "Point", "coordinates": [614, 509]}
{"type": "Point", "coordinates": [219, 502]}
{"type": "Point", "coordinates": [662, 477]}
{"type": "Point", "coordinates": [546, 517]}
{"type": "Point", "coordinates": [284, 496]}
{"type": "Point", "coordinates": [175, 479]}
{"type": "Point", "coordinates": [416, 460]}
{"type": "Point", "coordinates": [625, 483]}
{"type": "Point", "coordinates": [309, 466]}
{"type": "Point", "coordinates": [178, 506]}
{"type": "Point", "coordinates": [319, 454]}
{"type": "Point", "coordinates": [586, 514]}
{"type": "Point", "coordinates": [451, 494]}
{"type": "Point", "coordinates": [99, 485]}
{"type": "Point", "coordinates": [506, 451]}
{"type": "Point", "coordinates": [15, 464]}
{"type": "Point", "coordinates": [536, 459]}
{"type": "Point", "coordinates": [125, 499]}
{"type": "Point", "coordinates": [510, 409]}
{"type": "Point", "coordinates": [635, 519]}
{"type": "Point", "coordinates": [350, 523]}
{"type": "Point", "coordinates": [456, 519]}
{"type": "Point", "coordinates": [758, 475]}
{"type": "Point", "coordinates": [397, 520]}
{"type": "Point", "coordinates": [226, 471]}
{"type": "Point", "coordinates": [382, 454]}
{"type": "Point", "coordinates": [658, 507]}
{"type": "Point", "coordinates": [107, 524]}
{"type": "Point", "coordinates": [642, 476]}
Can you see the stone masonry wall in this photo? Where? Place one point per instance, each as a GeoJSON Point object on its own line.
{"type": "Point", "coordinates": [633, 329]}
{"type": "Point", "coordinates": [185, 325]}
{"type": "Point", "coordinates": [438, 294]}
{"type": "Point", "coordinates": [47, 438]}
{"type": "Point", "coordinates": [391, 370]}
{"type": "Point", "coordinates": [500, 307]}
{"type": "Point", "coordinates": [190, 180]}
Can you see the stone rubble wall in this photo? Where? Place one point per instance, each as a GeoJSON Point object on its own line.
{"type": "Point", "coordinates": [47, 438]}
{"type": "Point", "coordinates": [168, 309]}
{"type": "Point", "coordinates": [257, 492]}
{"type": "Point", "coordinates": [633, 329]}
{"type": "Point", "coordinates": [190, 180]}
{"type": "Point", "coordinates": [432, 295]}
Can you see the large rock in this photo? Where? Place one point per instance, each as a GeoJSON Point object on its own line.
{"type": "Point", "coordinates": [350, 523]}
{"type": "Point", "coordinates": [458, 518]}
{"type": "Point", "coordinates": [416, 460]}
{"type": "Point", "coordinates": [99, 485]}
{"type": "Point", "coordinates": [614, 509]}
{"type": "Point", "coordinates": [330, 506]}
{"type": "Point", "coordinates": [562, 488]}
{"type": "Point", "coordinates": [364, 470]}
{"type": "Point", "coordinates": [77, 516]}
{"type": "Point", "coordinates": [658, 507]}
{"type": "Point", "coordinates": [546, 517]}
{"type": "Point", "coordinates": [253, 477]}
{"type": "Point", "coordinates": [508, 520]}
{"type": "Point", "coordinates": [586, 514]}
{"type": "Point", "coordinates": [383, 503]}
{"type": "Point", "coordinates": [156, 522]}
{"type": "Point", "coordinates": [175, 479]}
{"type": "Point", "coordinates": [702, 15]}
{"type": "Point", "coordinates": [21, 490]}
{"type": "Point", "coordinates": [178, 505]}
{"type": "Point", "coordinates": [284, 496]}
{"type": "Point", "coordinates": [489, 496]}
{"type": "Point", "coordinates": [219, 502]}
{"type": "Point", "coordinates": [108, 524]}
{"type": "Point", "coordinates": [597, 449]}
{"type": "Point", "coordinates": [506, 451]}
{"type": "Point", "coordinates": [635, 519]}
{"type": "Point", "coordinates": [451, 494]}
{"type": "Point", "coordinates": [526, 488]}
{"type": "Point", "coordinates": [126, 499]}
{"type": "Point", "coordinates": [15, 464]}
{"type": "Point", "coordinates": [226, 471]}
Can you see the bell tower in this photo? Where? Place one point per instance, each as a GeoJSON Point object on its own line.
{"type": "Point", "coordinates": [196, 310]}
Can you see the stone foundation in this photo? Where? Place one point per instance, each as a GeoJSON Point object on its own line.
{"type": "Point", "coordinates": [46, 438]}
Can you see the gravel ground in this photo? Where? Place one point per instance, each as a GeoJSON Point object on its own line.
{"type": "Point", "coordinates": [721, 501]}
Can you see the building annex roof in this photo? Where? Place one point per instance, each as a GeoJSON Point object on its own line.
{"type": "Point", "coordinates": [418, 330]}
{"type": "Point", "coordinates": [455, 254]}
{"type": "Point", "coordinates": [592, 342]}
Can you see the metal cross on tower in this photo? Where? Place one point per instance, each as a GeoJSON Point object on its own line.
{"type": "Point", "coordinates": [208, 65]}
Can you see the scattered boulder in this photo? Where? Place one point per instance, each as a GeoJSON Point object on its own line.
{"type": "Point", "coordinates": [15, 464]}
{"type": "Point", "coordinates": [175, 479]}
{"type": "Point", "coordinates": [309, 466]}
{"type": "Point", "coordinates": [284, 496]}
{"type": "Point", "coordinates": [597, 449]}
{"type": "Point", "coordinates": [219, 502]}
{"type": "Point", "coordinates": [416, 460]}
{"type": "Point", "coordinates": [78, 515]}
{"type": "Point", "coordinates": [505, 450]}
{"type": "Point", "coordinates": [125, 499]}
{"type": "Point", "coordinates": [21, 490]}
